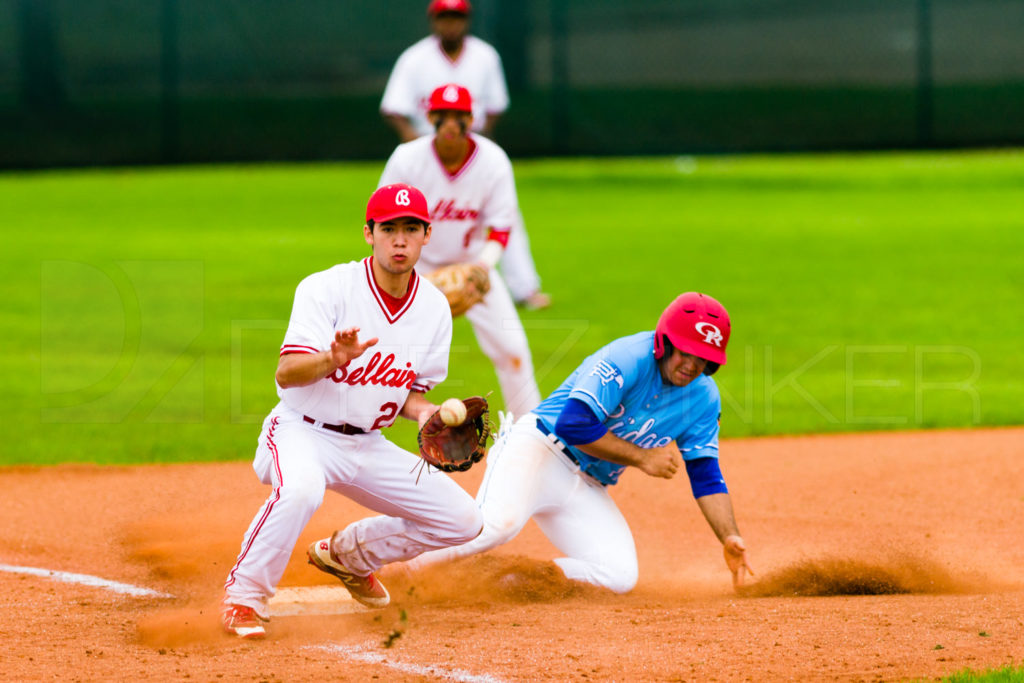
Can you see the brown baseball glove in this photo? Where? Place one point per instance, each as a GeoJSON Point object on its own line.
{"type": "Point", "coordinates": [456, 448]}
{"type": "Point", "coordinates": [463, 284]}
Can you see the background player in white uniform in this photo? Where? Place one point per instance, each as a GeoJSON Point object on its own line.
{"type": "Point", "coordinates": [469, 184]}
{"type": "Point", "coordinates": [451, 55]}
{"type": "Point", "coordinates": [364, 341]}
{"type": "Point", "coordinates": [448, 55]}
{"type": "Point", "coordinates": [646, 400]}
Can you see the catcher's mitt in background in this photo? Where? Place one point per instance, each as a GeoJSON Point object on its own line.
{"type": "Point", "coordinates": [456, 448]}
{"type": "Point", "coordinates": [463, 284]}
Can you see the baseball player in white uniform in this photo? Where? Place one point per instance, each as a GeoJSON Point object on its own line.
{"type": "Point", "coordinates": [646, 400]}
{"type": "Point", "coordinates": [365, 340]}
{"type": "Point", "coordinates": [448, 55]}
{"type": "Point", "coordinates": [451, 55]}
{"type": "Point", "coordinates": [473, 207]}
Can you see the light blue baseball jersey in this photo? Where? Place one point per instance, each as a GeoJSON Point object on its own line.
{"type": "Point", "coordinates": [622, 384]}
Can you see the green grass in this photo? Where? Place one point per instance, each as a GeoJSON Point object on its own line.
{"type": "Point", "coordinates": [1007, 674]}
{"type": "Point", "coordinates": [144, 308]}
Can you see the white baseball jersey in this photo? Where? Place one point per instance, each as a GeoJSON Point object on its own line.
{"type": "Point", "coordinates": [302, 458]}
{"type": "Point", "coordinates": [424, 66]}
{"type": "Point", "coordinates": [464, 204]}
{"type": "Point", "coordinates": [480, 195]}
{"type": "Point", "coordinates": [412, 354]}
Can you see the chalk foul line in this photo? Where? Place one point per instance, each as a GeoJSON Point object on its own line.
{"type": "Point", "coordinates": [366, 654]}
{"type": "Point", "coordinates": [85, 580]}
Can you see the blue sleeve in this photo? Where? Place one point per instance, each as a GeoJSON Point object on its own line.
{"type": "Point", "coordinates": [701, 438]}
{"type": "Point", "coordinates": [705, 477]}
{"type": "Point", "coordinates": [601, 386]}
{"type": "Point", "coordinates": [578, 424]}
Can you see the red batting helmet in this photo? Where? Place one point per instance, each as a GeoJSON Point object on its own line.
{"type": "Point", "coordinates": [458, 6]}
{"type": "Point", "coordinates": [450, 97]}
{"type": "Point", "coordinates": [396, 201]}
{"type": "Point", "coordinates": [695, 324]}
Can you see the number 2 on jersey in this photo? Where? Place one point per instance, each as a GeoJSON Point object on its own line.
{"type": "Point", "coordinates": [387, 415]}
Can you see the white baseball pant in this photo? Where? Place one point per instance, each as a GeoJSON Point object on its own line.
{"type": "Point", "coordinates": [517, 265]}
{"type": "Point", "coordinates": [529, 475]}
{"type": "Point", "coordinates": [301, 461]}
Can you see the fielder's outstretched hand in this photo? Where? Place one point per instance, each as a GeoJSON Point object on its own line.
{"type": "Point", "coordinates": [735, 551]}
{"type": "Point", "coordinates": [346, 345]}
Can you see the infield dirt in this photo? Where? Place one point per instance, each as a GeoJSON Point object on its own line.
{"type": "Point", "coordinates": [879, 557]}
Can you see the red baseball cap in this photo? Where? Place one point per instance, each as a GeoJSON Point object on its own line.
{"type": "Point", "coordinates": [695, 324]}
{"type": "Point", "coordinates": [458, 6]}
{"type": "Point", "coordinates": [451, 97]}
{"type": "Point", "coordinates": [397, 201]}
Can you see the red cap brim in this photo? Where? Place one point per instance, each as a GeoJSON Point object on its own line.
{"type": "Point", "coordinates": [705, 351]}
{"type": "Point", "coordinates": [404, 213]}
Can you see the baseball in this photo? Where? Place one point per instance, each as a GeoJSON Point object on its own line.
{"type": "Point", "coordinates": [453, 412]}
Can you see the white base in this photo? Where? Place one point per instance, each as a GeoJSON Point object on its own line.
{"type": "Point", "coordinates": [296, 600]}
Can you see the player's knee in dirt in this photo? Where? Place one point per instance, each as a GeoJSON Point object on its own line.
{"type": "Point", "coordinates": [618, 574]}
{"type": "Point", "coordinates": [618, 570]}
{"type": "Point", "coordinates": [619, 579]}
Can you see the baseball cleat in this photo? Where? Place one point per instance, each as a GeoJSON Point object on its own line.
{"type": "Point", "coordinates": [242, 621]}
{"type": "Point", "coordinates": [366, 590]}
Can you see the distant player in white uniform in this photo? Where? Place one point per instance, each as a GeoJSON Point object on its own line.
{"type": "Point", "coordinates": [646, 401]}
{"type": "Point", "coordinates": [365, 340]}
{"type": "Point", "coordinates": [448, 55]}
{"type": "Point", "coordinates": [471, 190]}
{"type": "Point", "coordinates": [451, 55]}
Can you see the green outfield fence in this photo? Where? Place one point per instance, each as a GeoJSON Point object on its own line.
{"type": "Point", "coordinates": [165, 81]}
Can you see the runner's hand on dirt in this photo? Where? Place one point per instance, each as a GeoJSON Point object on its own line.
{"type": "Point", "coordinates": [735, 552]}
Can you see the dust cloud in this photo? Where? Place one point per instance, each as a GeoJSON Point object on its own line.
{"type": "Point", "coordinates": [893, 575]}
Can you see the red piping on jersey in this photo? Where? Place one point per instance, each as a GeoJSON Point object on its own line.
{"type": "Point", "coordinates": [383, 297]}
{"type": "Point", "coordinates": [395, 303]}
{"type": "Point", "coordinates": [275, 496]}
{"type": "Point", "coordinates": [452, 175]}
{"type": "Point", "coordinates": [297, 348]}
{"type": "Point", "coordinates": [273, 448]}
